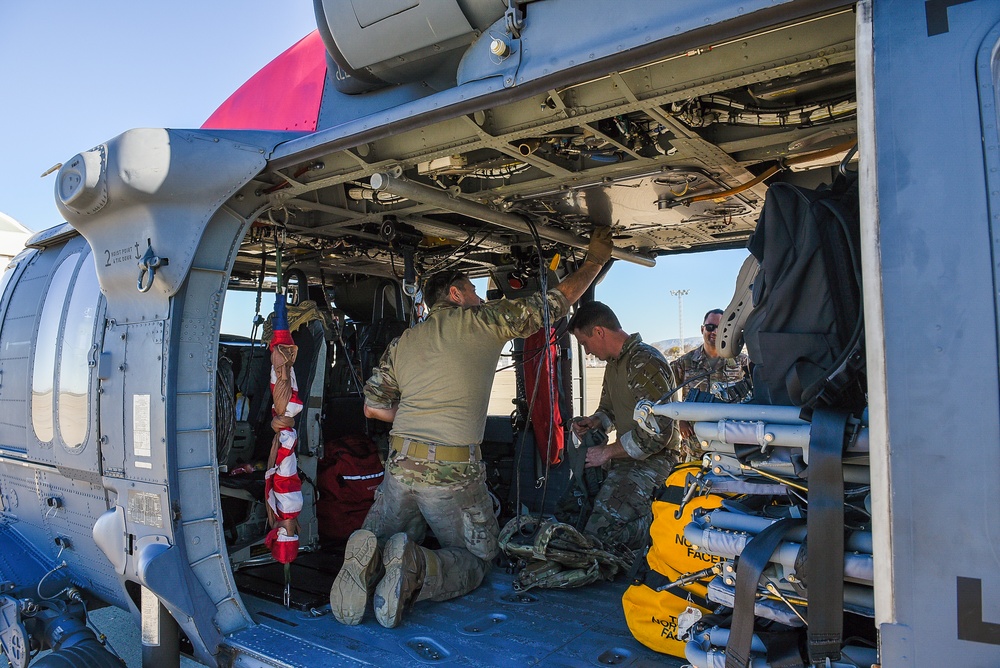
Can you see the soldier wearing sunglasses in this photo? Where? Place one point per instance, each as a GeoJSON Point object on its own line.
{"type": "Point", "coordinates": [704, 361]}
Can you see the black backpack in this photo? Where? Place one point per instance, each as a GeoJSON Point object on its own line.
{"type": "Point", "coordinates": [805, 334]}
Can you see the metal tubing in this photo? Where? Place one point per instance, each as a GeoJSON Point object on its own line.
{"type": "Point", "coordinates": [418, 192]}
{"type": "Point", "coordinates": [855, 541]}
{"type": "Point", "coordinates": [857, 567]}
{"type": "Point", "coordinates": [693, 411]}
{"type": "Point", "coordinates": [767, 433]}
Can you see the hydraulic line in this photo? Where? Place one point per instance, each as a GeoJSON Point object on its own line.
{"type": "Point", "coordinates": [771, 171]}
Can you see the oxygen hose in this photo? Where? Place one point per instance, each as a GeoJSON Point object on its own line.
{"type": "Point", "coordinates": [771, 171]}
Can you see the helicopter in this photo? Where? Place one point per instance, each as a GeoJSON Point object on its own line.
{"type": "Point", "coordinates": [491, 137]}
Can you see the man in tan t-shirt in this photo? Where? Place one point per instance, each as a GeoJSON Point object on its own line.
{"type": "Point", "coordinates": [433, 383]}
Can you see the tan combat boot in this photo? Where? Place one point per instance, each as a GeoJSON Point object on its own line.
{"type": "Point", "coordinates": [404, 576]}
{"type": "Point", "coordinates": [356, 579]}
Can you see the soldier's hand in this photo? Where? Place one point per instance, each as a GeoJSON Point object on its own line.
{"type": "Point", "coordinates": [582, 425]}
{"type": "Point", "coordinates": [599, 250]}
{"type": "Point", "coordinates": [598, 456]}
{"type": "Point", "coordinates": [686, 428]}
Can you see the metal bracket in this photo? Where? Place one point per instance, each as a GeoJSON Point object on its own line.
{"type": "Point", "coordinates": [13, 635]}
{"type": "Point", "coordinates": [514, 19]}
{"type": "Point", "coordinates": [148, 264]}
{"type": "Point", "coordinates": [645, 417]}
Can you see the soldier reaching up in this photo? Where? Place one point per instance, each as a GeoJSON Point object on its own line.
{"type": "Point", "coordinates": [433, 383]}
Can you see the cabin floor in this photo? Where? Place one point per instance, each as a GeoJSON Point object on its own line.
{"type": "Point", "coordinates": [491, 626]}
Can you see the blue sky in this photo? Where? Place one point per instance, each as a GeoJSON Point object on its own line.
{"type": "Point", "coordinates": [75, 74]}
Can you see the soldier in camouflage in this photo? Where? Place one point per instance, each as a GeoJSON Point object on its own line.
{"type": "Point", "coordinates": [637, 462]}
{"type": "Point", "coordinates": [433, 383]}
{"type": "Point", "coordinates": [702, 368]}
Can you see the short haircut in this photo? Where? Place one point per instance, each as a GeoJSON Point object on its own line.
{"type": "Point", "coordinates": [436, 287]}
{"type": "Point", "coordinates": [594, 314]}
{"type": "Point", "coordinates": [715, 310]}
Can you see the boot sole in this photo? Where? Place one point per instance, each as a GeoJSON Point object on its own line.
{"type": "Point", "coordinates": [391, 595]}
{"type": "Point", "coordinates": [349, 593]}
{"type": "Point", "coordinates": [388, 607]}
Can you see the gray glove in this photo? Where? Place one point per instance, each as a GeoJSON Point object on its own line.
{"type": "Point", "coordinates": [599, 250]}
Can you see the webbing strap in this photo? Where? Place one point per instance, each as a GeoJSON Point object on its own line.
{"type": "Point", "coordinates": [782, 649]}
{"type": "Point", "coordinates": [658, 581]}
{"type": "Point", "coordinates": [753, 560]}
{"type": "Point", "coordinates": [587, 480]}
{"type": "Point", "coordinates": [825, 559]}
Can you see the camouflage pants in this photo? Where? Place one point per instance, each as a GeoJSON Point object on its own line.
{"type": "Point", "coordinates": [691, 450]}
{"type": "Point", "coordinates": [458, 511]}
{"type": "Point", "coordinates": [623, 509]}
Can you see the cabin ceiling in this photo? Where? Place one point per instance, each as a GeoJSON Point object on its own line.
{"type": "Point", "coordinates": [651, 150]}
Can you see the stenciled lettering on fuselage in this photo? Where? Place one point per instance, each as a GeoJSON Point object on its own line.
{"type": "Point", "coordinates": [119, 255]}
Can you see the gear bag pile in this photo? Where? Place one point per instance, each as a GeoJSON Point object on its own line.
{"type": "Point", "coordinates": [804, 333]}
{"type": "Point", "coordinates": [555, 555]}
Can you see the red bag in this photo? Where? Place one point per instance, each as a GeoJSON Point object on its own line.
{"type": "Point", "coordinates": [536, 363]}
{"type": "Point", "coordinates": [349, 473]}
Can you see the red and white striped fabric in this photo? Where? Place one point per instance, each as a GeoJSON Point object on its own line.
{"type": "Point", "coordinates": [284, 489]}
{"type": "Point", "coordinates": [284, 548]}
{"type": "Point", "coordinates": [282, 486]}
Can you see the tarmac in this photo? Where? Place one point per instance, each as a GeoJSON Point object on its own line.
{"type": "Point", "coordinates": [123, 636]}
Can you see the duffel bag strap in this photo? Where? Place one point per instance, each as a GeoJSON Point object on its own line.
{"type": "Point", "coordinates": [659, 582]}
{"type": "Point", "coordinates": [825, 561]}
{"type": "Point", "coordinates": [753, 560]}
{"type": "Point", "coordinates": [782, 649]}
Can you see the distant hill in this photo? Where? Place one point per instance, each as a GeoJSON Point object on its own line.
{"type": "Point", "coordinates": [666, 345]}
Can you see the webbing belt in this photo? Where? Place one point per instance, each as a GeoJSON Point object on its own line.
{"type": "Point", "coordinates": [782, 649]}
{"type": "Point", "coordinates": [825, 558]}
{"type": "Point", "coordinates": [657, 581]}
{"type": "Point", "coordinates": [753, 560]}
{"type": "Point", "coordinates": [436, 453]}
{"type": "Point", "coordinates": [587, 480]}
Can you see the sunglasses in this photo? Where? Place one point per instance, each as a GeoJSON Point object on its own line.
{"type": "Point", "coordinates": [709, 327]}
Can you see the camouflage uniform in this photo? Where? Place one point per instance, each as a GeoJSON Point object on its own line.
{"type": "Point", "coordinates": [623, 507]}
{"type": "Point", "coordinates": [440, 373]}
{"type": "Point", "coordinates": [719, 370]}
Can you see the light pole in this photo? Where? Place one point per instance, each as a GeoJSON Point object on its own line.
{"type": "Point", "coordinates": [680, 314]}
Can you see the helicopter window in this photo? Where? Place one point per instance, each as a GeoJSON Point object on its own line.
{"type": "Point", "coordinates": [43, 366]}
{"type": "Point", "coordinates": [74, 370]}
{"type": "Point", "coordinates": [239, 310]}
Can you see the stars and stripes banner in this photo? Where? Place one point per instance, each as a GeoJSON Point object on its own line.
{"type": "Point", "coordinates": [283, 488]}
